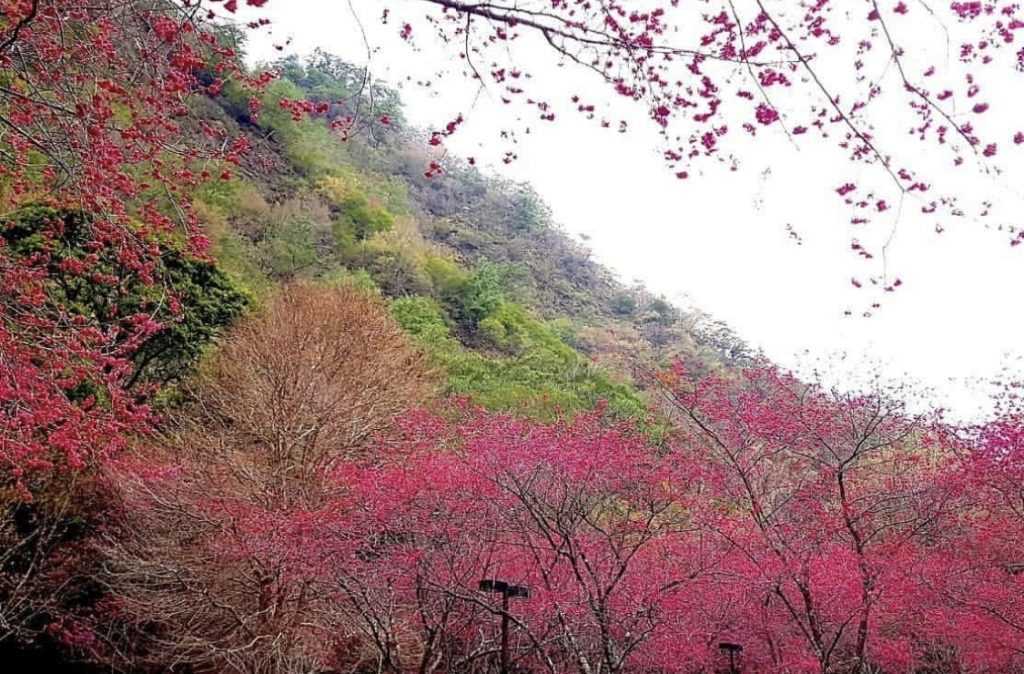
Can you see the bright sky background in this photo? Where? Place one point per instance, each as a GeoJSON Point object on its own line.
{"type": "Point", "coordinates": [719, 241]}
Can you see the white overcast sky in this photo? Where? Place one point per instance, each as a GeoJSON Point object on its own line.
{"type": "Point", "coordinates": [718, 241]}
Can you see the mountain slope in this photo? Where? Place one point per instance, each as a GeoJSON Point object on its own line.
{"type": "Point", "coordinates": [518, 314]}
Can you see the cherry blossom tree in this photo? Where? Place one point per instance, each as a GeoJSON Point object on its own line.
{"type": "Point", "coordinates": [92, 114]}
{"type": "Point", "coordinates": [95, 166]}
{"type": "Point", "coordinates": [831, 502]}
{"type": "Point", "coordinates": [824, 531]}
{"type": "Point", "coordinates": [596, 524]}
{"type": "Point", "coordinates": [973, 597]}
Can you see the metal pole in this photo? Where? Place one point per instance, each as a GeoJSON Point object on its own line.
{"type": "Point", "coordinates": [732, 663]}
{"type": "Point", "coordinates": [504, 633]}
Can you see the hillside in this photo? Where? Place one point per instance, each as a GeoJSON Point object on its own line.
{"type": "Point", "coordinates": [474, 266]}
{"type": "Point", "coordinates": [118, 310]}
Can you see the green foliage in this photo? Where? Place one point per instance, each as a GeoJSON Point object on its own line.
{"type": "Point", "coordinates": [359, 279]}
{"type": "Point", "coordinates": [312, 148]}
{"type": "Point", "coordinates": [542, 378]}
{"type": "Point", "coordinates": [235, 255]}
{"type": "Point", "coordinates": [393, 268]}
{"type": "Point", "coordinates": [360, 220]}
{"type": "Point", "coordinates": [290, 248]}
{"type": "Point", "coordinates": [277, 119]}
{"type": "Point", "coordinates": [209, 303]}
{"type": "Point", "coordinates": [447, 277]}
{"type": "Point", "coordinates": [481, 295]}
{"type": "Point", "coordinates": [221, 194]}
{"type": "Point", "coordinates": [308, 144]}
{"type": "Point", "coordinates": [207, 300]}
{"type": "Point", "coordinates": [423, 318]}
{"type": "Point", "coordinates": [346, 182]}
{"type": "Point", "coordinates": [234, 100]}
{"type": "Point", "coordinates": [329, 79]}
{"type": "Point", "coordinates": [528, 212]}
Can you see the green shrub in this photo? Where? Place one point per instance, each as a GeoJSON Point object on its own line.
{"type": "Point", "coordinates": [424, 319]}
{"type": "Point", "coordinates": [290, 249]}
{"type": "Point", "coordinates": [344, 181]}
{"type": "Point", "coordinates": [393, 268]}
{"type": "Point", "coordinates": [480, 296]}
{"type": "Point", "coordinates": [543, 378]}
{"type": "Point", "coordinates": [360, 220]}
{"type": "Point", "coordinates": [447, 277]}
{"type": "Point", "coordinates": [358, 278]}
{"type": "Point", "coordinates": [663, 311]}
